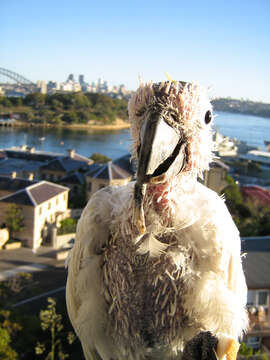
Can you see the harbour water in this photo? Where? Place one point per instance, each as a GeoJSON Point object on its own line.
{"type": "Point", "coordinates": [251, 129]}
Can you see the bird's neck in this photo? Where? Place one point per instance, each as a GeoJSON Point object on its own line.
{"type": "Point", "coordinates": [162, 195]}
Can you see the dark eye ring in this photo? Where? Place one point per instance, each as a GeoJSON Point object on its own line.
{"type": "Point", "coordinates": [208, 117]}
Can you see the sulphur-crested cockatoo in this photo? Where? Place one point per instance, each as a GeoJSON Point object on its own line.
{"type": "Point", "coordinates": [155, 271]}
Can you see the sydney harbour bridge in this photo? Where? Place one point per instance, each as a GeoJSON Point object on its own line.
{"type": "Point", "coordinates": [10, 80]}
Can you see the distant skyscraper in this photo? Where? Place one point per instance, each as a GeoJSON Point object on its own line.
{"type": "Point", "coordinates": [42, 86]}
{"type": "Point", "coordinates": [70, 77]}
{"type": "Point", "coordinates": [105, 85]}
{"type": "Point", "coordinates": [81, 79]}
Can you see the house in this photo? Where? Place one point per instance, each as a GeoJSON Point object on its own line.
{"type": "Point", "coordinates": [215, 177]}
{"type": "Point", "coordinates": [61, 166]}
{"type": "Point", "coordinates": [125, 162]}
{"type": "Point", "coordinates": [101, 175]}
{"type": "Point", "coordinates": [43, 204]}
{"type": "Point", "coordinates": [74, 181]}
{"type": "Point", "coordinates": [26, 162]}
{"type": "Point", "coordinates": [11, 185]}
{"type": "Point", "coordinates": [256, 264]}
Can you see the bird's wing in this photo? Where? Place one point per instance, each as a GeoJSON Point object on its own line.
{"type": "Point", "coordinates": [84, 293]}
{"type": "Point", "coordinates": [220, 293]}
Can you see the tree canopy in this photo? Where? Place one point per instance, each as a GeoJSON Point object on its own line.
{"type": "Point", "coordinates": [251, 218]}
{"type": "Point", "coordinates": [66, 108]}
{"type": "Point", "coordinates": [14, 219]}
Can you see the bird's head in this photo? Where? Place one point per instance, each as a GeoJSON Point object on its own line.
{"type": "Point", "coordinates": [171, 131]}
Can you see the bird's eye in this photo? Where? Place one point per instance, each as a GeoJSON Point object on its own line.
{"type": "Point", "coordinates": [208, 117]}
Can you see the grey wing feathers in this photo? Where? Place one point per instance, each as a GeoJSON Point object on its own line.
{"type": "Point", "coordinates": [84, 293]}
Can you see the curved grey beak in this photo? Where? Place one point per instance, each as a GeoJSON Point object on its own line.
{"type": "Point", "coordinates": [160, 146]}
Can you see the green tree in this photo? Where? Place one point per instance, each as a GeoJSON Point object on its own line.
{"type": "Point", "coordinates": [36, 100]}
{"type": "Point", "coordinates": [6, 351]}
{"type": "Point", "coordinates": [245, 350]}
{"type": "Point", "coordinates": [100, 158]}
{"type": "Point", "coordinates": [8, 329]}
{"type": "Point", "coordinates": [52, 321]}
{"type": "Point", "coordinates": [71, 117]}
{"type": "Point", "coordinates": [14, 219]}
{"type": "Point", "coordinates": [252, 218]}
{"type": "Point", "coordinates": [67, 226]}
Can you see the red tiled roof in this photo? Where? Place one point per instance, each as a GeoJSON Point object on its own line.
{"type": "Point", "coordinates": [256, 193]}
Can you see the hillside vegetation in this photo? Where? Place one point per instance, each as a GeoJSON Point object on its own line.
{"type": "Point", "coordinates": [71, 108]}
{"type": "Point", "coordinates": [241, 107]}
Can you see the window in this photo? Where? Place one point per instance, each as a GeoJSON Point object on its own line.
{"type": "Point", "coordinates": [56, 201]}
{"type": "Point", "coordinates": [40, 210]}
{"type": "Point", "coordinates": [258, 298]}
{"type": "Point", "coordinates": [90, 186]}
{"type": "Point", "coordinates": [49, 206]}
{"type": "Point", "coordinates": [262, 298]}
{"type": "Point", "coordinates": [254, 342]}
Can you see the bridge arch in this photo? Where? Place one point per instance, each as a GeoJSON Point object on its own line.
{"type": "Point", "coordinates": [21, 83]}
{"type": "Point", "coordinates": [19, 79]}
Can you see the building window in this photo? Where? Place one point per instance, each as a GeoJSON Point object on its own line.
{"type": "Point", "coordinates": [64, 197]}
{"type": "Point", "coordinates": [262, 298]}
{"type": "Point", "coordinates": [258, 298]}
{"type": "Point", "coordinates": [90, 186]}
{"type": "Point", "coordinates": [254, 342]}
{"type": "Point", "coordinates": [49, 206]}
{"type": "Point", "coordinates": [56, 201]}
{"type": "Point", "coordinates": [40, 210]}
{"type": "Point", "coordinates": [51, 177]}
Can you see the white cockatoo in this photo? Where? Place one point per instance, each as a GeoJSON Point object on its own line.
{"type": "Point", "coordinates": [155, 271]}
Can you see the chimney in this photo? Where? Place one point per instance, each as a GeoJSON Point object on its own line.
{"type": "Point", "coordinates": [13, 174]}
{"type": "Point", "coordinates": [31, 176]}
{"type": "Point", "coordinates": [71, 152]}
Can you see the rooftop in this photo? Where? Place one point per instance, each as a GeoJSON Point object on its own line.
{"type": "Point", "coordinates": [35, 194]}
{"type": "Point", "coordinates": [108, 171]}
{"type": "Point", "coordinates": [75, 178]}
{"type": "Point", "coordinates": [13, 185]}
{"type": "Point", "coordinates": [257, 193]}
{"type": "Point", "coordinates": [256, 268]}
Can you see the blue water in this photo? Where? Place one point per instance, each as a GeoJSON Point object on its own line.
{"type": "Point", "coordinates": [254, 130]}
{"type": "Point", "coordinates": [251, 129]}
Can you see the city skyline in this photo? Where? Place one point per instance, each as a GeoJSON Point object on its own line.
{"type": "Point", "coordinates": [222, 45]}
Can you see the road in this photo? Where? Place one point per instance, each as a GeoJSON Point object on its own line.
{"type": "Point", "coordinates": [48, 276]}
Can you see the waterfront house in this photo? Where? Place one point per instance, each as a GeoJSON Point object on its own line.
{"type": "Point", "coordinates": [61, 166]}
{"type": "Point", "coordinates": [101, 175]}
{"type": "Point", "coordinates": [43, 204]}
{"type": "Point", "coordinates": [26, 162]}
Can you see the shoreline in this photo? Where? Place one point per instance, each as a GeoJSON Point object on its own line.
{"type": "Point", "coordinates": [119, 125]}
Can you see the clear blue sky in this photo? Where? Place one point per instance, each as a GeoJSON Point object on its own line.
{"type": "Point", "coordinates": [220, 43]}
